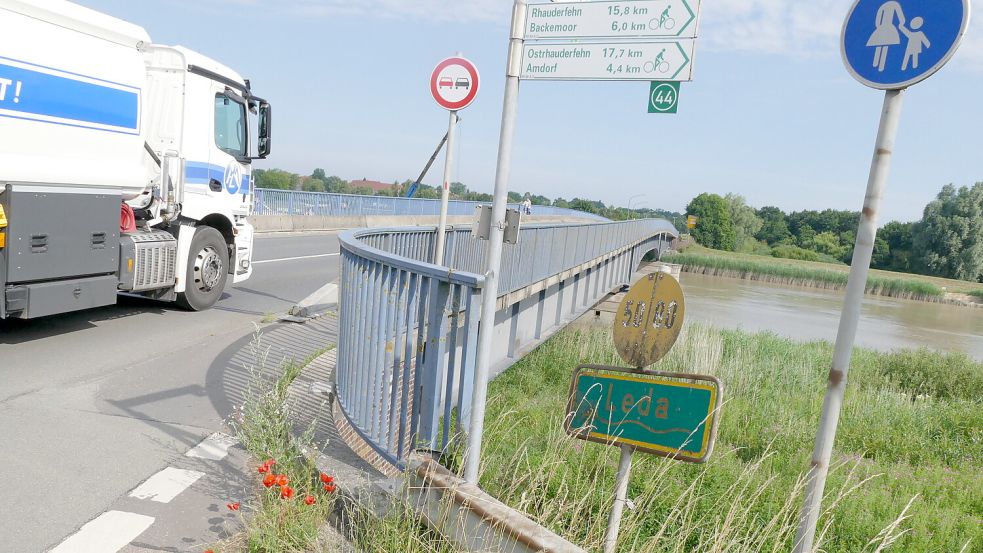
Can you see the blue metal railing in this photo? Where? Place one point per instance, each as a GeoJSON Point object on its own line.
{"type": "Point", "coordinates": [409, 329]}
{"type": "Point", "coordinates": [290, 202]}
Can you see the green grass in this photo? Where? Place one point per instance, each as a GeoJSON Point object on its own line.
{"type": "Point", "coordinates": [906, 468]}
{"type": "Point", "coordinates": [976, 293]}
{"type": "Point", "coordinates": [801, 273]}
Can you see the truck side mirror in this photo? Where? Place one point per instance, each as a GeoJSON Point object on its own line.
{"type": "Point", "coordinates": [265, 130]}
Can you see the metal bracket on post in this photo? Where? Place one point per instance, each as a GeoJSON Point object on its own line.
{"type": "Point", "coordinates": [481, 228]}
{"type": "Point", "coordinates": [512, 223]}
{"type": "Point", "coordinates": [514, 67]}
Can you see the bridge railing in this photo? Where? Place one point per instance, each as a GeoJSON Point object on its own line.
{"type": "Point", "coordinates": [291, 202]}
{"type": "Point", "coordinates": [409, 328]}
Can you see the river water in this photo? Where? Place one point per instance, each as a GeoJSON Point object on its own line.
{"type": "Point", "coordinates": [810, 314]}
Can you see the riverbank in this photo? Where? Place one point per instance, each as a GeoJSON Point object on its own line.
{"type": "Point", "coordinates": [697, 259]}
{"type": "Point", "coordinates": [906, 465]}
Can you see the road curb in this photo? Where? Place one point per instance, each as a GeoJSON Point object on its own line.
{"type": "Point", "coordinates": [317, 303]}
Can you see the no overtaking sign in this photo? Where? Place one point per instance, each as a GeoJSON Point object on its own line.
{"type": "Point", "coordinates": [454, 83]}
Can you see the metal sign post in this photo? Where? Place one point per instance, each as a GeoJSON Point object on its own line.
{"type": "Point", "coordinates": [454, 84]}
{"type": "Point", "coordinates": [667, 414]}
{"type": "Point", "coordinates": [663, 36]}
{"type": "Point", "coordinates": [620, 498]}
{"type": "Point", "coordinates": [489, 295]}
{"type": "Point", "coordinates": [873, 28]}
{"type": "Point", "coordinates": [672, 415]}
{"type": "Point", "coordinates": [445, 192]}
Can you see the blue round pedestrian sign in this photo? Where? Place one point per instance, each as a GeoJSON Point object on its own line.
{"type": "Point", "coordinates": [893, 44]}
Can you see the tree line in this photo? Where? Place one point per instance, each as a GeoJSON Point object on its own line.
{"type": "Point", "coordinates": [319, 181]}
{"type": "Point", "coordinates": [947, 241]}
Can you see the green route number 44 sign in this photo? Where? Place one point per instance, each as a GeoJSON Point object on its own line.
{"type": "Point", "coordinates": [664, 97]}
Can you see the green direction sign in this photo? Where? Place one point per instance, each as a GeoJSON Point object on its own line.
{"type": "Point", "coordinates": [666, 60]}
{"type": "Point", "coordinates": [663, 97]}
{"type": "Point", "coordinates": [667, 414]}
{"type": "Point", "coordinates": [612, 19]}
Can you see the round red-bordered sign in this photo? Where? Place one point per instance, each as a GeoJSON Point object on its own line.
{"type": "Point", "coordinates": [454, 83]}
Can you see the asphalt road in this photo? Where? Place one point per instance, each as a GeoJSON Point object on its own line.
{"type": "Point", "coordinates": [95, 402]}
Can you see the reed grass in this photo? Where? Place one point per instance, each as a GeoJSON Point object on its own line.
{"type": "Point", "coordinates": [815, 276]}
{"type": "Point", "coordinates": [905, 475]}
{"type": "Point", "coordinates": [905, 472]}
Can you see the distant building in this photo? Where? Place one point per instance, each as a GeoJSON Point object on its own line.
{"type": "Point", "coordinates": [376, 186]}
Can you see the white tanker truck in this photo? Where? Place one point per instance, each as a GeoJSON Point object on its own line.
{"type": "Point", "coordinates": [124, 165]}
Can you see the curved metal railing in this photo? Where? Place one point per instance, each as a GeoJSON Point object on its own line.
{"type": "Point", "coordinates": [409, 328]}
{"type": "Point", "coordinates": [292, 202]}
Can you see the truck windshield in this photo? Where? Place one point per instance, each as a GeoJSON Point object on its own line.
{"type": "Point", "coordinates": [230, 126]}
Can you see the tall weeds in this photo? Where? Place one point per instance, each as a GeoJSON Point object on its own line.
{"type": "Point", "coordinates": [889, 488]}
{"type": "Point", "coordinates": [802, 275]}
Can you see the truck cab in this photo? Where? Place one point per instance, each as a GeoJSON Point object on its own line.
{"type": "Point", "coordinates": [125, 166]}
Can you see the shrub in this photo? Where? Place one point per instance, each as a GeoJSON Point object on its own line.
{"type": "Point", "coordinates": [794, 252]}
{"type": "Point", "coordinates": [924, 372]}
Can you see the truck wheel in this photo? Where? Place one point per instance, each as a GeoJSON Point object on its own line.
{"type": "Point", "coordinates": [208, 269]}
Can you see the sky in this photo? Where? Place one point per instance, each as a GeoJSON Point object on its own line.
{"type": "Point", "coordinates": [771, 113]}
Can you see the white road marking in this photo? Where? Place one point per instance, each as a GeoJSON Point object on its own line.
{"type": "Point", "coordinates": [107, 533]}
{"type": "Point", "coordinates": [296, 258]}
{"type": "Point", "coordinates": [213, 448]}
{"type": "Point", "coordinates": [166, 484]}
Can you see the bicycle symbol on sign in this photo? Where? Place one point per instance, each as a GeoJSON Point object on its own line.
{"type": "Point", "coordinates": [660, 64]}
{"type": "Point", "coordinates": [663, 21]}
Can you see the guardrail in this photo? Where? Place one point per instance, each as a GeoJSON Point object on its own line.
{"type": "Point", "coordinates": [409, 328]}
{"type": "Point", "coordinates": [290, 202]}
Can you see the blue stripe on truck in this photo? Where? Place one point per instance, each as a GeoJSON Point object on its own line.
{"type": "Point", "coordinates": [38, 93]}
{"type": "Point", "coordinates": [196, 172]}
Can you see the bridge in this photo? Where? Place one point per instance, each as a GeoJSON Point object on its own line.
{"type": "Point", "coordinates": [407, 343]}
{"type": "Point", "coordinates": [408, 328]}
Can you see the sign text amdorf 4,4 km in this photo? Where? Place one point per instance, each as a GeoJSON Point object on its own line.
{"type": "Point", "coordinates": [454, 83]}
{"type": "Point", "coordinates": [619, 19]}
{"type": "Point", "coordinates": [893, 44]}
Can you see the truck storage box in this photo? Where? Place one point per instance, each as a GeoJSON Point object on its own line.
{"type": "Point", "coordinates": [48, 298]}
{"type": "Point", "coordinates": [55, 234]}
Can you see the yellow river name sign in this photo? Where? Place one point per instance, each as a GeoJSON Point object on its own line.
{"type": "Point", "coordinates": [649, 319]}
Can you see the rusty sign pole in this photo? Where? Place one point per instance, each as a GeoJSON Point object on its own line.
{"type": "Point", "coordinates": [847, 333]}
{"type": "Point", "coordinates": [620, 498]}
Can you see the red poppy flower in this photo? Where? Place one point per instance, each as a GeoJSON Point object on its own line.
{"type": "Point", "coordinates": [263, 469]}
{"type": "Point", "coordinates": [309, 500]}
{"type": "Point", "coordinates": [269, 480]}
{"type": "Point", "coordinates": [282, 480]}
{"type": "Point", "coordinates": [233, 506]}
{"type": "Point", "coordinates": [326, 479]}
{"type": "Point", "coordinates": [209, 551]}
{"type": "Point", "coordinates": [286, 492]}
{"type": "Point", "coordinates": [330, 488]}
{"type": "Point", "coordinates": [269, 463]}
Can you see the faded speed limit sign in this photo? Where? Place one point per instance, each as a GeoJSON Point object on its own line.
{"type": "Point", "coordinates": [649, 319]}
